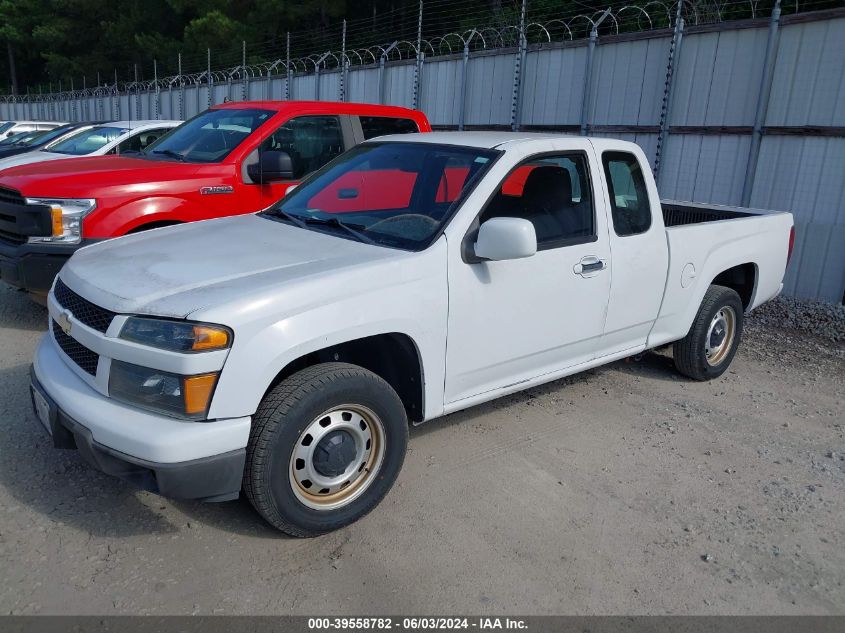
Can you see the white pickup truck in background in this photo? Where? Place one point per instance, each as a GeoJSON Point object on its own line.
{"type": "Point", "coordinates": [286, 352]}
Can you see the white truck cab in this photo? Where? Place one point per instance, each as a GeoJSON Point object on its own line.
{"type": "Point", "coordinates": [285, 353]}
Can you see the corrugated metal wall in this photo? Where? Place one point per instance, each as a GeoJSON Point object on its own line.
{"type": "Point", "coordinates": [711, 115]}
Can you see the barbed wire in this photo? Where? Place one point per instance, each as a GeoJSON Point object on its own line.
{"type": "Point", "coordinates": [437, 33]}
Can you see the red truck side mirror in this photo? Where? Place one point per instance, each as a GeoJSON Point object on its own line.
{"type": "Point", "coordinates": [272, 166]}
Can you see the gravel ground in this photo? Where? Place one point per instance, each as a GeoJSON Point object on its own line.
{"type": "Point", "coordinates": [624, 490]}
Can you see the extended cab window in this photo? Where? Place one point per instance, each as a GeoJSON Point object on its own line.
{"type": "Point", "coordinates": [373, 126]}
{"type": "Point", "coordinates": [628, 197]}
{"type": "Point", "coordinates": [554, 193]}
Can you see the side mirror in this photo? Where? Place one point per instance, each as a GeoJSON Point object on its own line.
{"type": "Point", "coordinates": [272, 165]}
{"type": "Point", "coordinates": [506, 238]}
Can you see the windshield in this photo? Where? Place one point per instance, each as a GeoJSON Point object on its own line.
{"type": "Point", "coordinates": [5, 126]}
{"type": "Point", "coordinates": [210, 136]}
{"type": "Point", "coordinates": [24, 138]}
{"type": "Point", "coordinates": [42, 138]}
{"type": "Point", "coordinates": [88, 141]}
{"type": "Point", "coordinates": [391, 194]}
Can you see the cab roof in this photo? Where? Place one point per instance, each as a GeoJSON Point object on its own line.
{"type": "Point", "coordinates": [322, 107]}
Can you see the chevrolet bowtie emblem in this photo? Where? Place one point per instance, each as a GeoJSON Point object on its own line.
{"type": "Point", "coordinates": [64, 321]}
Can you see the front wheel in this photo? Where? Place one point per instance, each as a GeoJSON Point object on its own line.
{"type": "Point", "coordinates": [325, 447]}
{"type": "Point", "coordinates": [707, 350]}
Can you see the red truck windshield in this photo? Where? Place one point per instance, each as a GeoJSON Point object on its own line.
{"type": "Point", "coordinates": [210, 136]}
{"type": "Point", "coordinates": [393, 194]}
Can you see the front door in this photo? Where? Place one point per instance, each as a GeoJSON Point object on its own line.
{"type": "Point", "coordinates": [512, 321]}
{"type": "Point", "coordinates": [312, 141]}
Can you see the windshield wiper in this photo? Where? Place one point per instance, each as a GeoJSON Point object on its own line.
{"type": "Point", "coordinates": [287, 216]}
{"type": "Point", "coordinates": [171, 153]}
{"type": "Point", "coordinates": [353, 229]}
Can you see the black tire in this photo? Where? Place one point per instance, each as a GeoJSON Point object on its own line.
{"type": "Point", "coordinates": [689, 353]}
{"type": "Point", "coordinates": [278, 425]}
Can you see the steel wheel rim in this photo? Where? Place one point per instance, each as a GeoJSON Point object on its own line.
{"type": "Point", "coordinates": [720, 336]}
{"type": "Point", "coordinates": [321, 491]}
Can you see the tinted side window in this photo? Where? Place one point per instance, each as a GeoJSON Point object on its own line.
{"type": "Point", "coordinates": [628, 198]}
{"type": "Point", "coordinates": [373, 126]}
{"type": "Point", "coordinates": [554, 193]}
{"type": "Point", "coordinates": [311, 141]}
{"type": "Point", "coordinates": [139, 141]}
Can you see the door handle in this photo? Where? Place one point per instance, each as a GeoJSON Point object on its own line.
{"type": "Point", "coordinates": [589, 266]}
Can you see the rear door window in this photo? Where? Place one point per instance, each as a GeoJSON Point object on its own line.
{"type": "Point", "coordinates": [629, 202]}
{"type": "Point", "coordinates": [374, 126]}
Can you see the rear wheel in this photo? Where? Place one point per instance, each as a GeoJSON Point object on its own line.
{"type": "Point", "coordinates": [707, 350]}
{"type": "Point", "coordinates": [325, 447]}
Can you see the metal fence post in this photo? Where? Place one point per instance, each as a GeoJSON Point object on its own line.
{"type": "Point", "coordinates": [287, 68]}
{"type": "Point", "coordinates": [244, 86]}
{"type": "Point", "coordinates": [762, 104]}
{"type": "Point", "coordinates": [381, 62]}
{"type": "Point", "coordinates": [117, 107]}
{"type": "Point", "coordinates": [518, 69]}
{"type": "Point", "coordinates": [588, 70]}
{"type": "Point", "coordinates": [210, 79]}
{"type": "Point", "coordinates": [341, 92]}
{"type": "Point", "coordinates": [317, 75]}
{"type": "Point", "coordinates": [588, 73]}
{"type": "Point", "coordinates": [464, 78]}
{"type": "Point", "coordinates": [181, 90]}
{"type": "Point", "coordinates": [157, 91]}
{"type": "Point", "coordinates": [674, 53]}
{"type": "Point", "coordinates": [419, 62]}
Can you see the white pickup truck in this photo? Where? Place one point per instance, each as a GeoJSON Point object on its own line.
{"type": "Point", "coordinates": [285, 353]}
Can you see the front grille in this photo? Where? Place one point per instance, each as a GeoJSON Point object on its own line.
{"type": "Point", "coordinates": [11, 196]}
{"type": "Point", "coordinates": [76, 351]}
{"type": "Point", "coordinates": [86, 312]}
{"type": "Point", "coordinates": [12, 238]}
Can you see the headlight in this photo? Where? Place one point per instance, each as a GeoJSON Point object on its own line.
{"type": "Point", "coordinates": [171, 394]}
{"type": "Point", "coordinates": [66, 215]}
{"type": "Point", "coordinates": [176, 336]}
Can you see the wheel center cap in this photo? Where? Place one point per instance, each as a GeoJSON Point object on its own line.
{"type": "Point", "coordinates": [335, 452]}
{"type": "Point", "coordinates": [718, 336]}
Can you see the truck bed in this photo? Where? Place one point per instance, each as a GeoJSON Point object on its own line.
{"type": "Point", "coordinates": [706, 239]}
{"type": "Point", "coordinates": [681, 213]}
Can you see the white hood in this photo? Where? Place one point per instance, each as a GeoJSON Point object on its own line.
{"type": "Point", "coordinates": [36, 156]}
{"type": "Point", "coordinates": [178, 270]}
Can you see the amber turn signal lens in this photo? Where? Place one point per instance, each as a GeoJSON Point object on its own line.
{"type": "Point", "coordinates": [56, 217]}
{"type": "Point", "coordinates": [206, 338]}
{"type": "Point", "coordinates": [198, 392]}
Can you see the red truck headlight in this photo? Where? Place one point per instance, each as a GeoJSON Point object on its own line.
{"type": "Point", "coordinates": [66, 215]}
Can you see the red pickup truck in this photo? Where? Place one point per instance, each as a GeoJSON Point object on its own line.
{"type": "Point", "coordinates": [231, 159]}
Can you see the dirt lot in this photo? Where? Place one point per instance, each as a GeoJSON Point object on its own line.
{"type": "Point", "coordinates": [623, 490]}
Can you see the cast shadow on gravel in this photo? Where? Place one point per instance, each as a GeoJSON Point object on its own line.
{"type": "Point", "coordinates": [62, 487]}
{"type": "Point", "coordinates": [19, 312]}
{"type": "Point", "coordinates": [651, 365]}
{"type": "Point", "coordinates": [58, 484]}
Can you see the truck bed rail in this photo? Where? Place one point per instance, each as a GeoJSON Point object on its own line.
{"type": "Point", "coordinates": [675, 214]}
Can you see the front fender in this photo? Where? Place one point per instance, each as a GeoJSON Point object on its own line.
{"type": "Point", "coordinates": [130, 216]}
{"type": "Point", "coordinates": [281, 326]}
